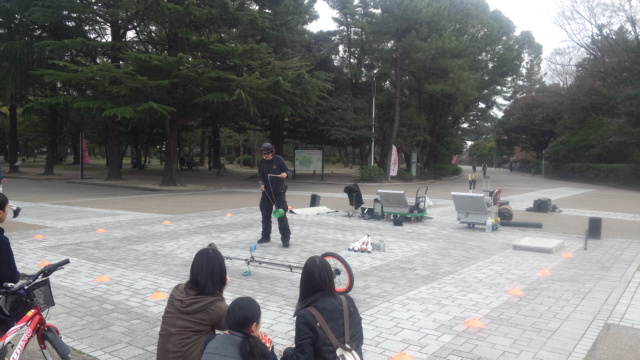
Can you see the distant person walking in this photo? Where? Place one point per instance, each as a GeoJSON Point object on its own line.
{"type": "Point", "coordinates": [473, 166]}
{"type": "Point", "coordinates": [484, 169]}
{"type": "Point", "coordinates": [16, 209]}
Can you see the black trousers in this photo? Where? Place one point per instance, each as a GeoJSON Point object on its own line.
{"type": "Point", "coordinates": [266, 208]}
{"type": "Point", "coordinates": [5, 325]}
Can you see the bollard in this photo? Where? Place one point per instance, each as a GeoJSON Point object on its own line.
{"type": "Point", "coordinates": [595, 227]}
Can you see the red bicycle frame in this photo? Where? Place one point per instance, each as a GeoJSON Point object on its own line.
{"type": "Point", "coordinates": [35, 323]}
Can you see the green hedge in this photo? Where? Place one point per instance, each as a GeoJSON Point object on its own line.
{"type": "Point", "coordinates": [230, 158]}
{"type": "Point", "coordinates": [372, 173]}
{"type": "Point", "coordinates": [441, 171]}
{"type": "Point", "coordinates": [405, 175]}
{"type": "Point", "coordinates": [610, 174]}
{"type": "Point", "coordinates": [245, 160]}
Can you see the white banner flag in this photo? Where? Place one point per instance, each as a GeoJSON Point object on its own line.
{"type": "Point", "coordinates": [394, 161]}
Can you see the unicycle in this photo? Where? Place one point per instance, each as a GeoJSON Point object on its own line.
{"type": "Point", "coordinates": [343, 275]}
{"type": "Point", "coordinates": [342, 271]}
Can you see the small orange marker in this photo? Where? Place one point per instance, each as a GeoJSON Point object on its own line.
{"type": "Point", "coordinates": [38, 237]}
{"type": "Point", "coordinates": [102, 278]}
{"type": "Point", "coordinates": [515, 292]}
{"type": "Point", "coordinates": [544, 272]}
{"type": "Point", "coordinates": [43, 263]}
{"type": "Point", "coordinates": [228, 214]}
{"type": "Point", "coordinates": [158, 295]}
{"type": "Point", "coordinates": [101, 230]}
{"type": "Point", "coordinates": [290, 208]}
{"type": "Point", "coordinates": [402, 356]}
{"type": "Point", "coordinates": [567, 255]}
{"type": "Point", "coordinates": [166, 222]}
{"type": "Point", "coordinates": [474, 323]}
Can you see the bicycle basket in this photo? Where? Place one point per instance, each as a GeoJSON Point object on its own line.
{"type": "Point", "coordinates": [16, 305]}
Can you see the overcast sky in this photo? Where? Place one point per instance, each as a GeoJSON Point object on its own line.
{"type": "Point", "coordinates": [536, 16]}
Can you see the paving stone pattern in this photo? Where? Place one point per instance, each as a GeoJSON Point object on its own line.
{"type": "Point", "coordinates": [414, 297]}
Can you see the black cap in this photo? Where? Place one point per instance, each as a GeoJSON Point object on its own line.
{"type": "Point", "coordinates": [266, 147]}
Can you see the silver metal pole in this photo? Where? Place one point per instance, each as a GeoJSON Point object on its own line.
{"type": "Point", "coordinates": [373, 119]}
{"type": "Point", "coordinates": [543, 164]}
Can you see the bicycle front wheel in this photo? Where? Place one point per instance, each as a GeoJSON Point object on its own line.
{"type": "Point", "coordinates": [54, 347]}
{"type": "Point", "coordinates": [343, 275]}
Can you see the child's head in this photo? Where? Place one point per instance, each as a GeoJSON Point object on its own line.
{"type": "Point", "coordinates": [208, 275]}
{"type": "Point", "coordinates": [4, 203]}
{"type": "Point", "coordinates": [243, 314]}
{"type": "Point", "coordinates": [317, 277]}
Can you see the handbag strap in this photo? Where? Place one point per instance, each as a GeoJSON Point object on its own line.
{"type": "Point", "coordinates": [327, 330]}
{"type": "Point", "coordinates": [347, 337]}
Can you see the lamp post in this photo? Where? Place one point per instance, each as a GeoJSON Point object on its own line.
{"type": "Point", "coordinates": [373, 118]}
{"type": "Point", "coordinates": [543, 164]}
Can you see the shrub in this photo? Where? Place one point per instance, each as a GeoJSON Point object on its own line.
{"type": "Point", "coordinates": [404, 175]}
{"type": "Point", "coordinates": [613, 174]}
{"type": "Point", "coordinates": [440, 171]}
{"type": "Point", "coordinates": [245, 160]}
{"type": "Point", "coordinates": [230, 158]}
{"type": "Point", "coordinates": [447, 170]}
{"type": "Point", "coordinates": [372, 173]}
{"type": "Point", "coordinates": [335, 160]}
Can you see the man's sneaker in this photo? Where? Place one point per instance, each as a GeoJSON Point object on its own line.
{"type": "Point", "coordinates": [263, 241]}
{"type": "Point", "coordinates": [16, 212]}
{"type": "Point", "coordinates": [285, 244]}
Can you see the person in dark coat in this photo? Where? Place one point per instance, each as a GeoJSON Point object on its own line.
{"type": "Point", "coordinates": [273, 193]}
{"type": "Point", "coordinates": [16, 209]}
{"type": "Point", "coordinates": [8, 268]}
{"type": "Point", "coordinates": [317, 289]}
{"type": "Point", "coordinates": [195, 309]}
{"type": "Point", "coordinates": [244, 340]}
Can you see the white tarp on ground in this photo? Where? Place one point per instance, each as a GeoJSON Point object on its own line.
{"type": "Point", "coordinates": [316, 210]}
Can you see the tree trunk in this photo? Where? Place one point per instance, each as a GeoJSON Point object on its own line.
{"type": "Point", "coordinates": [432, 155]}
{"type": "Point", "coordinates": [114, 150]}
{"type": "Point", "coordinates": [75, 148]}
{"type": "Point", "coordinates": [203, 137]}
{"type": "Point", "coordinates": [52, 144]}
{"type": "Point", "coordinates": [396, 115]}
{"type": "Point", "coordinates": [13, 135]}
{"type": "Point", "coordinates": [215, 145]}
{"type": "Point", "coordinates": [170, 175]}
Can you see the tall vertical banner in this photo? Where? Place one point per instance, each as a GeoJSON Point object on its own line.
{"type": "Point", "coordinates": [394, 162]}
{"type": "Point", "coordinates": [85, 153]}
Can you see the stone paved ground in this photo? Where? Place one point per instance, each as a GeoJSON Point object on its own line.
{"type": "Point", "coordinates": [415, 297]}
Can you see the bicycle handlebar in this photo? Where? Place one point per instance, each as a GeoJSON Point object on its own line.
{"type": "Point", "coordinates": [44, 272]}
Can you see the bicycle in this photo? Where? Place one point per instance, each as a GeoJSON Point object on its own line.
{"type": "Point", "coordinates": [28, 301]}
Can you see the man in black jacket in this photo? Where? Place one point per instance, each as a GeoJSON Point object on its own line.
{"type": "Point", "coordinates": [272, 170]}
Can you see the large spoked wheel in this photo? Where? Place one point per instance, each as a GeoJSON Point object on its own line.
{"type": "Point", "coordinates": [55, 348]}
{"type": "Point", "coordinates": [343, 274]}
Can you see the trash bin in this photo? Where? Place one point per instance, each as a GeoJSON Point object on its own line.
{"type": "Point", "coordinates": [595, 227]}
{"type": "Point", "coordinates": [315, 200]}
{"type": "Point", "coordinates": [542, 205]}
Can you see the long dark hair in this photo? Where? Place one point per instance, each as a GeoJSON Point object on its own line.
{"type": "Point", "coordinates": [208, 275]}
{"type": "Point", "coordinates": [241, 314]}
{"type": "Point", "coordinates": [4, 201]}
{"type": "Point", "coordinates": [316, 280]}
